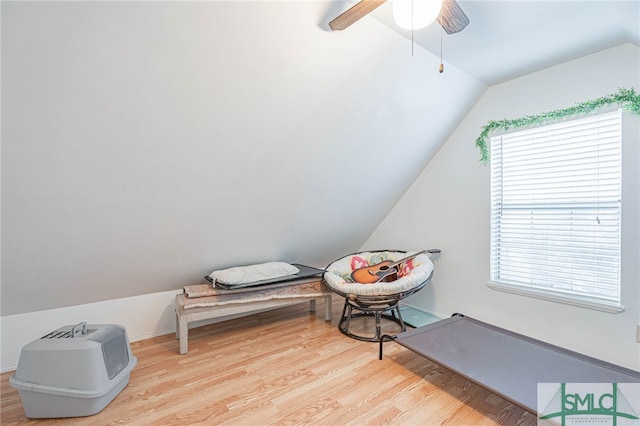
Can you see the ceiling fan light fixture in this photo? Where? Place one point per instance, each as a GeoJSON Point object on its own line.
{"type": "Point", "coordinates": [423, 13]}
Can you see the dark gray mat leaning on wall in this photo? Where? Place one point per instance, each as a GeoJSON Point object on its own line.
{"type": "Point", "coordinates": [508, 364]}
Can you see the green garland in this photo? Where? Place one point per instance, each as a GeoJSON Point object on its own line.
{"type": "Point", "coordinates": [625, 98]}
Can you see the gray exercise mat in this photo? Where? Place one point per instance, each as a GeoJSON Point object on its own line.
{"type": "Point", "coordinates": [508, 364]}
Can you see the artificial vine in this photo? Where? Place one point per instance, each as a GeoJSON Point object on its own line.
{"type": "Point", "coordinates": [625, 98]}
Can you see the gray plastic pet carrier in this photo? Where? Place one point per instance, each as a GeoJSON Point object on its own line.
{"type": "Point", "coordinates": [73, 371]}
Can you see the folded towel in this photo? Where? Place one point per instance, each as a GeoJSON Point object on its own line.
{"type": "Point", "coordinates": [253, 273]}
{"type": "Point", "coordinates": [199, 290]}
{"type": "Point", "coordinates": [195, 291]}
{"type": "Point", "coordinates": [307, 289]}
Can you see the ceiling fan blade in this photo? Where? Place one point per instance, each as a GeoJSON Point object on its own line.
{"type": "Point", "coordinates": [452, 18]}
{"type": "Point", "coordinates": [354, 13]}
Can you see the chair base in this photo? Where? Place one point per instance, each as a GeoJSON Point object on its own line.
{"type": "Point", "coordinates": [389, 311]}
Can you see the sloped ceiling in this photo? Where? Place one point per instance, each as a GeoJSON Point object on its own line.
{"type": "Point", "coordinates": [145, 144]}
{"type": "Point", "coordinates": [506, 39]}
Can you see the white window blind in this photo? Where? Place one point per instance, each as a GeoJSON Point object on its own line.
{"type": "Point", "coordinates": [555, 210]}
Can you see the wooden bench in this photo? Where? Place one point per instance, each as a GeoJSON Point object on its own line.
{"type": "Point", "coordinates": [234, 305]}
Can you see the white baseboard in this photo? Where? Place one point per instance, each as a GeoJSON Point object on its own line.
{"type": "Point", "coordinates": [143, 316]}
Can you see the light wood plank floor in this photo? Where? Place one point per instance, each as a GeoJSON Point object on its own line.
{"type": "Point", "coordinates": [285, 367]}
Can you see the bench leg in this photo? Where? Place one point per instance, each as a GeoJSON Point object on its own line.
{"type": "Point", "coordinates": [183, 334]}
{"type": "Point", "coordinates": [327, 307]}
{"type": "Point", "coordinates": [177, 325]}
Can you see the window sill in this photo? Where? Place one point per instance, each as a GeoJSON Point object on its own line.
{"type": "Point", "coordinates": [554, 297]}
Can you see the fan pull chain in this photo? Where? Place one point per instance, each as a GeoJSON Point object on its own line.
{"type": "Point", "coordinates": [412, 42]}
{"type": "Point", "coordinates": [441, 68]}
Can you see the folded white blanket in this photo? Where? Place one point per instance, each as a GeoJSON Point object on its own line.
{"type": "Point", "coordinates": [253, 273]}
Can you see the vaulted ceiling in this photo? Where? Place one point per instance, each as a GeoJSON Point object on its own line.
{"type": "Point", "coordinates": [508, 39]}
{"type": "Point", "coordinates": [146, 143]}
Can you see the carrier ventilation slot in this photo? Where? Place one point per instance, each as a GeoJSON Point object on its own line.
{"type": "Point", "coordinates": [76, 330]}
{"type": "Point", "coordinates": [58, 334]}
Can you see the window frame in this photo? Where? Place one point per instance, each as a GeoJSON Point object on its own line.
{"type": "Point", "coordinates": [548, 293]}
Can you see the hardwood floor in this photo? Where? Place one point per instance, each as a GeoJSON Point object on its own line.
{"type": "Point", "coordinates": [285, 367]}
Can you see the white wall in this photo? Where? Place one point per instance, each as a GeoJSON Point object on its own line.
{"type": "Point", "coordinates": [145, 144]}
{"type": "Point", "coordinates": [144, 316]}
{"type": "Point", "coordinates": [448, 208]}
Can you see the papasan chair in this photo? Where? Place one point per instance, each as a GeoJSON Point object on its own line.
{"type": "Point", "coordinates": [374, 282]}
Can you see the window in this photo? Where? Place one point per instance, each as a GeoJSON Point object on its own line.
{"type": "Point", "coordinates": [556, 211]}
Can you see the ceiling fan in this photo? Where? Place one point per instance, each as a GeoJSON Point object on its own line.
{"type": "Point", "coordinates": [452, 18]}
